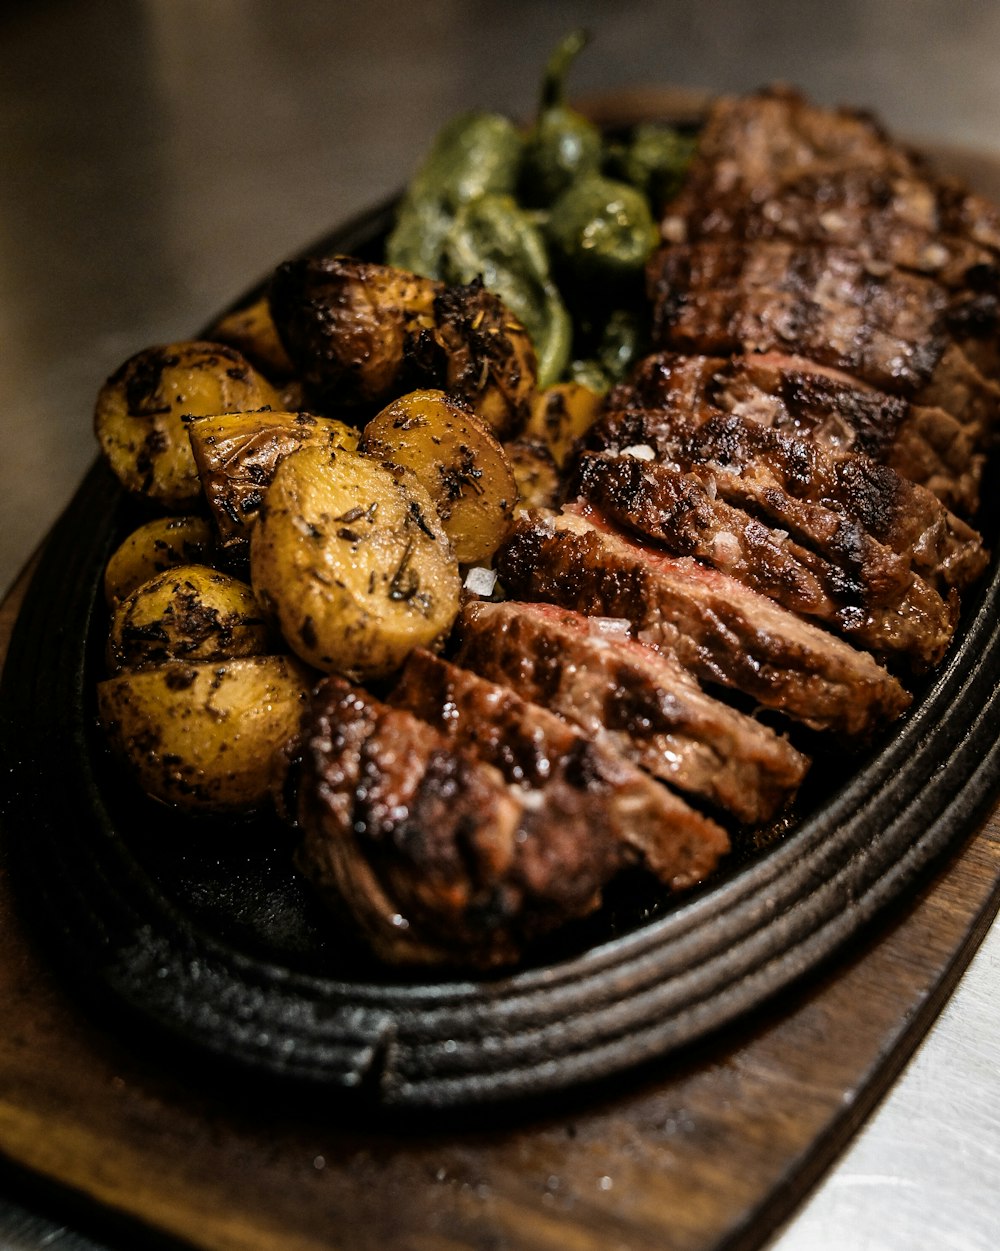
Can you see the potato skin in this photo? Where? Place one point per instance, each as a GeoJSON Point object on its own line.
{"type": "Point", "coordinates": [561, 414]}
{"type": "Point", "coordinates": [251, 331]}
{"type": "Point", "coordinates": [362, 334]}
{"type": "Point", "coordinates": [160, 544]}
{"type": "Point", "coordinates": [139, 411]}
{"type": "Point", "coordinates": [237, 455]}
{"type": "Point", "coordinates": [353, 563]}
{"type": "Point", "coordinates": [190, 612]}
{"type": "Point", "coordinates": [457, 460]}
{"type": "Point", "coordinates": [206, 736]}
{"type": "Point", "coordinates": [539, 484]}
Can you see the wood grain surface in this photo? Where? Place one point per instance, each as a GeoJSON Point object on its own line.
{"type": "Point", "coordinates": [710, 1150]}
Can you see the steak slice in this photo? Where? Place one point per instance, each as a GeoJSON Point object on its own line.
{"type": "Point", "coordinates": [773, 165]}
{"type": "Point", "coordinates": [859, 515]}
{"type": "Point", "coordinates": [642, 701]}
{"type": "Point", "coordinates": [434, 856]}
{"type": "Point", "coordinates": [723, 632]}
{"type": "Point", "coordinates": [829, 304]}
{"type": "Point", "coordinates": [680, 513]}
{"type": "Point", "coordinates": [925, 444]}
{"type": "Point", "coordinates": [577, 789]}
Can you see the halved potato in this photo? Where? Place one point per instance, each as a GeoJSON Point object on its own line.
{"type": "Point", "coordinates": [251, 330]}
{"type": "Point", "coordinates": [561, 414]}
{"type": "Point", "coordinates": [160, 544]}
{"type": "Point", "coordinates": [351, 560]}
{"type": "Point", "coordinates": [458, 461]}
{"type": "Point", "coordinates": [187, 613]}
{"type": "Point", "coordinates": [538, 481]}
{"type": "Point", "coordinates": [237, 454]}
{"type": "Point", "coordinates": [210, 735]}
{"type": "Point", "coordinates": [139, 411]}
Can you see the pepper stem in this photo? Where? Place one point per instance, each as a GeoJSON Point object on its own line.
{"type": "Point", "coordinates": [557, 68]}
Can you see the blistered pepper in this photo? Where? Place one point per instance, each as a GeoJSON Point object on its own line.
{"type": "Point", "coordinates": [654, 160]}
{"type": "Point", "coordinates": [602, 232]}
{"type": "Point", "coordinates": [473, 155]}
{"type": "Point", "coordinates": [493, 238]}
{"type": "Point", "coordinates": [563, 145]}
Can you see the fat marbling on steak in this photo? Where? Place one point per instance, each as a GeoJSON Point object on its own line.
{"type": "Point", "coordinates": [617, 690]}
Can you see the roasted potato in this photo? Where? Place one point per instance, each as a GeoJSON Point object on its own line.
{"type": "Point", "coordinates": [138, 417]}
{"type": "Point", "coordinates": [187, 613]}
{"type": "Point", "coordinates": [209, 735]}
{"type": "Point", "coordinates": [538, 481]}
{"type": "Point", "coordinates": [362, 334]}
{"type": "Point", "coordinates": [251, 330]}
{"type": "Point", "coordinates": [456, 458]}
{"type": "Point", "coordinates": [561, 414]}
{"type": "Point", "coordinates": [351, 560]}
{"type": "Point", "coordinates": [160, 544]}
{"type": "Point", "coordinates": [237, 454]}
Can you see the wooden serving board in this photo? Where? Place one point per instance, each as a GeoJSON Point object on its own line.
{"type": "Point", "coordinates": [709, 1150]}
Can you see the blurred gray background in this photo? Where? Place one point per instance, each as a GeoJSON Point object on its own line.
{"type": "Point", "coordinates": [158, 156]}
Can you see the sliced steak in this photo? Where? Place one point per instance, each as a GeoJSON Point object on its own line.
{"type": "Point", "coordinates": [722, 631]}
{"type": "Point", "coordinates": [684, 515]}
{"type": "Point", "coordinates": [591, 672]}
{"type": "Point", "coordinates": [578, 789]}
{"type": "Point", "coordinates": [772, 165]}
{"type": "Point", "coordinates": [828, 304]}
{"type": "Point", "coordinates": [435, 857]}
{"type": "Point", "coordinates": [859, 515]}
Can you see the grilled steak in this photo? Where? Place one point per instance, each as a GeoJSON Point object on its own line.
{"type": "Point", "coordinates": [773, 166]}
{"type": "Point", "coordinates": [580, 789]}
{"type": "Point", "coordinates": [679, 512]}
{"type": "Point", "coordinates": [828, 304]}
{"type": "Point", "coordinates": [435, 857]}
{"type": "Point", "coordinates": [927, 445]}
{"type": "Point", "coordinates": [619, 691]}
{"type": "Point", "coordinates": [722, 631]}
{"type": "Point", "coordinates": [859, 515]}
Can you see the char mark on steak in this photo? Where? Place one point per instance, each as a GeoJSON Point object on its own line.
{"type": "Point", "coordinates": [580, 791]}
{"type": "Point", "coordinates": [437, 858]}
{"type": "Point", "coordinates": [926, 445]}
{"type": "Point", "coordinates": [774, 166]}
{"type": "Point", "coordinates": [828, 304]}
{"type": "Point", "coordinates": [909, 622]}
{"type": "Point", "coordinates": [726, 634]}
{"type": "Point", "coordinates": [617, 690]}
{"type": "Point", "coordinates": [862, 517]}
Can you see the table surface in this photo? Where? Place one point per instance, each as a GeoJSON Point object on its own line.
{"type": "Point", "coordinates": [159, 156]}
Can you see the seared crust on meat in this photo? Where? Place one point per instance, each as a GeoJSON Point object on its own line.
{"type": "Point", "coordinates": [644, 702]}
{"type": "Point", "coordinates": [679, 512]}
{"type": "Point", "coordinates": [722, 631]}
{"type": "Point", "coordinates": [583, 789]}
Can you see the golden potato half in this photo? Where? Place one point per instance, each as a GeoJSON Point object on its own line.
{"type": "Point", "coordinates": [139, 411]}
{"type": "Point", "coordinates": [352, 561]}
{"type": "Point", "coordinates": [561, 414]}
{"type": "Point", "coordinates": [190, 612]}
{"type": "Point", "coordinates": [207, 736]}
{"type": "Point", "coordinates": [457, 460]}
{"type": "Point", "coordinates": [160, 544]}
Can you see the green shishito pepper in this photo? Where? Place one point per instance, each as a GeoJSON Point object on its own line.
{"type": "Point", "coordinates": [654, 160]}
{"type": "Point", "coordinates": [473, 155]}
{"type": "Point", "coordinates": [493, 238]}
{"type": "Point", "coordinates": [602, 231]}
{"type": "Point", "coordinates": [563, 145]}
